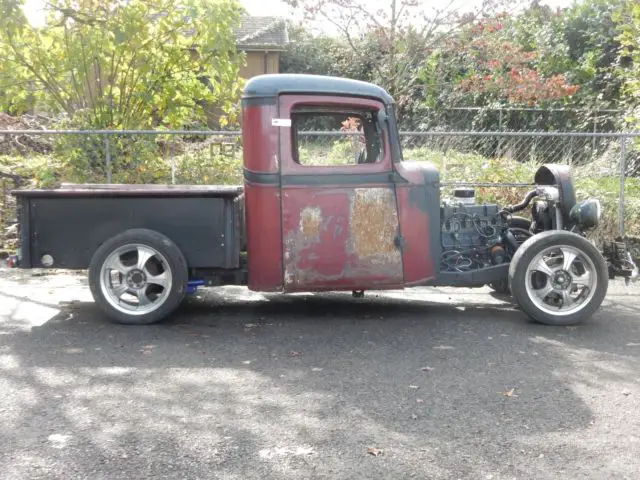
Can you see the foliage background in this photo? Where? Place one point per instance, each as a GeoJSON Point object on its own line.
{"type": "Point", "coordinates": [158, 64]}
{"type": "Point", "coordinates": [121, 65]}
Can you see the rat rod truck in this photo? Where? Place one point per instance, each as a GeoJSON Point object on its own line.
{"type": "Point", "coordinates": [298, 224]}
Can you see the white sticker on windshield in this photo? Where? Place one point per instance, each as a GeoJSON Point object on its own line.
{"type": "Point", "coordinates": [281, 122]}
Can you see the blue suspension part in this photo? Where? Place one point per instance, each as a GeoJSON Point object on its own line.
{"type": "Point", "coordinates": [192, 286]}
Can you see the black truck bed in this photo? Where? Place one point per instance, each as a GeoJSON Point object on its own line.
{"type": "Point", "coordinates": [71, 222]}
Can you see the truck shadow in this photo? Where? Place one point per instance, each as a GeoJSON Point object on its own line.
{"type": "Point", "coordinates": [259, 379]}
{"type": "Point", "coordinates": [216, 313]}
{"type": "Point", "coordinates": [333, 306]}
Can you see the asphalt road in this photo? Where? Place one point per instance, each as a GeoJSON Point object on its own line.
{"type": "Point", "coordinates": [443, 383]}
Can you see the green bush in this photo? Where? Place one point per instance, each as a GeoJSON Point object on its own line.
{"type": "Point", "coordinates": [133, 159]}
{"type": "Point", "coordinates": [202, 167]}
{"type": "Point", "coordinates": [39, 171]}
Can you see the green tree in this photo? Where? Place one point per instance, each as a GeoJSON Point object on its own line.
{"type": "Point", "coordinates": [541, 57]}
{"type": "Point", "coordinates": [322, 55]}
{"type": "Point", "coordinates": [114, 64]}
{"type": "Point", "coordinates": [629, 58]}
{"type": "Point", "coordinates": [391, 41]}
{"type": "Point", "coordinates": [580, 42]}
{"type": "Point", "coordinates": [628, 19]}
{"type": "Point", "coordinates": [498, 70]}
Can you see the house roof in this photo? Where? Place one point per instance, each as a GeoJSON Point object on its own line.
{"type": "Point", "coordinates": [262, 33]}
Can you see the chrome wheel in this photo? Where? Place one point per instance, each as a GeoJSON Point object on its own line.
{"type": "Point", "coordinates": [561, 280]}
{"type": "Point", "coordinates": [135, 279]}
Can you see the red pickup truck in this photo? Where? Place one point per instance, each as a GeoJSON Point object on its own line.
{"type": "Point", "coordinates": [374, 221]}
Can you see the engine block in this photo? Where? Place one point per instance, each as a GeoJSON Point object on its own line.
{"type": "Point", "coordinates": [464, 226]}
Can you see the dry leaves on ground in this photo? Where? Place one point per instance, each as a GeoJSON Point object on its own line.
{"type": "Point", "coordinates": [146, 349]}
{"type": "Point", "coordinates": [73, 350]}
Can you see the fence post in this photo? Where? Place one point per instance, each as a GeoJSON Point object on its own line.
{"type": "Point", "coordinates": [593, 140]}
{"type": "Point", "coordinates": [623, 171]}
{"type": "Point", "coordinates": [173, 163]}
{"type": "Point", "coordinates": [107, 157]}
{"type": "Point", "coordinates": [500, 139]}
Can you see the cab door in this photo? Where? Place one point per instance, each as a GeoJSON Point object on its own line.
{"type": "Point", "coordinates": [340, 226]}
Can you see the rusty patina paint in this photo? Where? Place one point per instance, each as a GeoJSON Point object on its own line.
{"type": "Point", "coordinates": [341, 238]}
{"type": "Point", "coordinates": [310, 219]}
{"type": "Point", "coordinates": [373, 223]}
{"type": "Point", "coordinates": [418, 200]}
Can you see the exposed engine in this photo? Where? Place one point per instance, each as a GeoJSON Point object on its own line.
{"type": "Point", "coordinates": [475, 236]}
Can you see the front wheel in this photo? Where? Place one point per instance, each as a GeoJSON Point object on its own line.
{"type": "Point", "coordinates": [138, 277]}
{"type": "Point", "coordinates": [558, 278]}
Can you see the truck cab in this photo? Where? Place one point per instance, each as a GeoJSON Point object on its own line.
{"type": "Point", "coordinates": [336, 210]}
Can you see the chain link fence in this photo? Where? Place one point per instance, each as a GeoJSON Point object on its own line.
{"type": "Point", "coordinates": [510, 119]}
{"type": "Point", "coordinates": [605, 165]}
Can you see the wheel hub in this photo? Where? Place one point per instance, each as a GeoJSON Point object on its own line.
{"type": "Point", "coordinates": [136, 279]}
{"type": "Point", "coordinates": [131, 283]}
{"type": "Point", "coordinates": [561, 280]}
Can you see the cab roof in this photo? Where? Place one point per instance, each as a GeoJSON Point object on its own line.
{"type": "Point", "coordinates": [271, 85]}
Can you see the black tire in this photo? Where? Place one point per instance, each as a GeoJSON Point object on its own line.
{"type": "Point", "coordinates": [526, 254]}
{"type": "Point", "coordinates": [176, 263]}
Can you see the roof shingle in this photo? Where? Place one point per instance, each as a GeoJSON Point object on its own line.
{"type": "Point", "coordinates": [261, 33]}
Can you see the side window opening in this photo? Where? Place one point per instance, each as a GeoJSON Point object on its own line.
{"type": "Point", "coordinates": [330, 136]}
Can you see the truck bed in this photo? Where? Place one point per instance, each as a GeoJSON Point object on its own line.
{"type": "Point", "coordinates": [71, 222]}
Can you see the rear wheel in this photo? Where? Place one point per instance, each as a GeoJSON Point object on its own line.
{"type": "Point", "coordinates": [138, 277]}
{"type": "Point", "coordinates": [558, 278]}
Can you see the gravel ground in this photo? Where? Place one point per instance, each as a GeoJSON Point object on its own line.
{"type": "Point", "coordinates": [439, 383]}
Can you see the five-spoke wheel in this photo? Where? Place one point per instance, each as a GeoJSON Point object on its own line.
{"type": "Point", "coordinates": [138, 277]}
{"type": "Point", "coordinates": [558, 278]}
{"type": "Point", "coordinates": [135, 279]}
{"type": "Point", "coordinates": [561, 280]}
